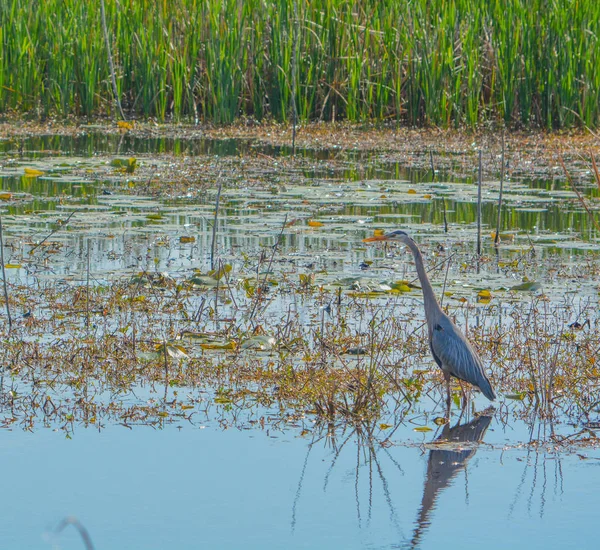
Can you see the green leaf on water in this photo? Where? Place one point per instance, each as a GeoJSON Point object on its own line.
{"type": "Point", "coordinates": [260, 342]}
{"type": "Point", "coordinates": [528, 286]}
{"type": "Point", "coordinates": [218, 273]}
{"type": "Point", "coordinates": [519, 396]}
{"type": "Point", "coordinates": [456, 399]}
{"type": "Point", "coordinates": [203, 280]}
{"type": "Point", "coordinates": [223, 400]}
{"type": "Point", "coordinates": [176, 351]}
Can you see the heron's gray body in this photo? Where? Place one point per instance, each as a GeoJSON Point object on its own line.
{"type": "Point", "coordinates": [455, 356]}
{"type": "Point", "coordinates": [451, 350]}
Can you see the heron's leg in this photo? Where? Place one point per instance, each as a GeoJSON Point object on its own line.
{"type": "Point", "coordinates": [464, 395]}
{"type": "Point", "coordinates": [449, 397]}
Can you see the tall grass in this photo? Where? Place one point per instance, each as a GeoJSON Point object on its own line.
{"type": "Point", "coordinates": [419, 62]}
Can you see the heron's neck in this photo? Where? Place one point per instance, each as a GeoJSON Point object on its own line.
{"type": "Point", "coordinates": [432, 308]}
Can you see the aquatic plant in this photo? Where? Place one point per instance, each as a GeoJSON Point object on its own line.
{"type": "Point", "coordinates": [420, 63]}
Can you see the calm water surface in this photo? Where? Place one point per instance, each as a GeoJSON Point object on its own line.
{"type": "Point", "coordinates": [208, 488]}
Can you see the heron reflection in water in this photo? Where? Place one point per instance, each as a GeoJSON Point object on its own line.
{"type": "Point", "coordinates": [448, 457]}
{"type": "Point", "coordinates": [450, 349]}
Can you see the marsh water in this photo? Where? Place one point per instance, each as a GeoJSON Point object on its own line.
{"type": "Point", "coordinates": [230, 476]}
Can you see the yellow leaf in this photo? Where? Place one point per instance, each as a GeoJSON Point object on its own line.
{"type": "Point", "coordinates": [186, 407]}
{"type": "Point", "coordinates": [519, 396]}
{"type": "Point", "coordinates": [131, 165]}
{"type": "Point", "coordinates": [217, 274]}
{"type": "Point", "coordinates": [32, 172]}
{"type": "Point", "coordinates": [124, 125]}
{"type": "Point", "coordinates": [223, 400]}
{"type": "Point", "coordinates": [378, 232]}
{"type": "Point", "coordinates": [5, 196]}
{"type": "Point", "coordinates": [12, 266]}
{"type": "Point", "coordinates": [385, 426]}
{"type": "Point", "coordinates": [484, 296]}
{"type": "Point", "coordinates": [224, 346]}
{"type": "Point", "coordinates": [426, 196]}
{"type": "Point", "coordinates": [313, 223]}
{"type": "Point", "coordinates": [411, 192]}
{"type": "Point", "coordinates": [306, 279]}
{"type": "Point", "coordinates": [440, 421]}
{"type": "Point", "coordinates": [422, 429]}
{"type": "Point", "coordinates": [185, 239]}
{"type": "Point", "coordinates": [401, 286]}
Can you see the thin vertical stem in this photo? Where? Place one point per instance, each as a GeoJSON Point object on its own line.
{"type": "Point", "coordinates": [87, 289]}
{"type": "Point", "coordinates": [432, 166]}
{"type": "Point", "coordinates": [497, 237]}
{"type": "Point", "coordinates": [214, 231]}
{"type": "Point", "coordinates": [294, 63]}
{"type": "Point", "coordinates": [5, 287]}
{"type": "Point", "coordinates": [110, 60]}
{"type": "Point", "coordinates": [479, 207]}
{"type": "Point", "coordinates": [443, 198]}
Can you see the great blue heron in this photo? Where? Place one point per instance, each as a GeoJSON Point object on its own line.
{"type": "Point", "coordinates": [449, 347]}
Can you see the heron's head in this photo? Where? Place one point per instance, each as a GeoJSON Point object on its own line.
{"type": "Point", "coordinates": [395, 236]}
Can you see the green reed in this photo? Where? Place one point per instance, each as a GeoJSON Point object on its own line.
{"type": "Point", "coordinates": [420, 62]}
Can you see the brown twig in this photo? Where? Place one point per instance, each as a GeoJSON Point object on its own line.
{"type": "Point", "coordinates": [258, 292]}
{"type": "Point", "coordinates": [214, 231]}
{"type": "Point", "coordinates": [479, 183]}
{"type": "Point", "coordinates": [579, 196]}
{"type": "Point", "coordinates": [5, 287]}
{"type": "Point", "coordinates": [497, 237]}
{"type": "Point", "coordinates": [596, 173]}
{"type": "Point", "coordinates": [63, 224]}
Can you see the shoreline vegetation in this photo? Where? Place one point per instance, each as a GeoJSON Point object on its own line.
{"type": "Point", "coordinates": [511, 64]}
{"type": "Point", "coordinates": [536, 152]}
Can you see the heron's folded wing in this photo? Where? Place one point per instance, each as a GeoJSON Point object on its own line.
{"type": "Point", "coordinates": [450, 347]}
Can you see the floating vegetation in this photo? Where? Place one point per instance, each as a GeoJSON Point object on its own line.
{"type": "Point", "coordinates": [120, 319]}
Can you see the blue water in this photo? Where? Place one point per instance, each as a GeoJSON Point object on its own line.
{"type": "Point", "coordinates": [230, 489]}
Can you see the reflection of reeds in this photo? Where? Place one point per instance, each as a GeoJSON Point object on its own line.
{"type": "Point", "coordinates": [362, 440]}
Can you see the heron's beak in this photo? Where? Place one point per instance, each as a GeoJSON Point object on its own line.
{"type": "Point", "coordinates": [376, 238]}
